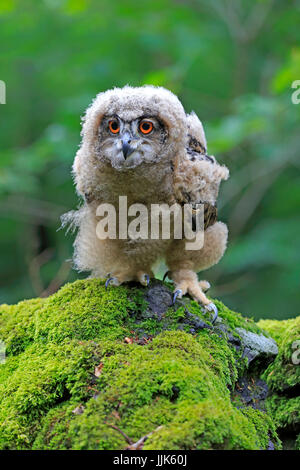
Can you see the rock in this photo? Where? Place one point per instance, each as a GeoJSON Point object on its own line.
{"type": "Point", "coordinates": [271, 446]}
{"type": "Point", "coordinates": [257, 347]}
{"type": "Point", "coordinates": [252, 391]}
{"type": "Point", "coordinates": [159, 298]}
{"type": "Point", "coordinates": [88, 366]}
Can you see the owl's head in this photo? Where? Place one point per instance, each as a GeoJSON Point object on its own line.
{"type": "Point", "coordinates": [127, 127]}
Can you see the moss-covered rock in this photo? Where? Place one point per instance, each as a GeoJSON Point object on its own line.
{"type": "Point", "coordinates": [283, 379]}
{"type": "Point", "coordinates": [89, 368]}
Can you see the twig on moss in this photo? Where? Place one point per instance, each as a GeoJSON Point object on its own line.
{"type": "Point", "coordinates": [128, 440]}
{"type": "Point", "coordinates": [134, 445]}
{"type": "Point", "coordinates": [140, 443]}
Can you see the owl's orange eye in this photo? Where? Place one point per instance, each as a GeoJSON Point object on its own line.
{"type": "Point", "coordinates": [146, 127]}
{"type": "Point", "coordinates": [114, 126]}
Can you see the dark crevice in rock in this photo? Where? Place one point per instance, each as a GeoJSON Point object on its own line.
{"type": "Point", "coordinates": [66, 396]}
{"type": "Point", "coordinates": [175, 394]}
{"type": "Point", "coordinates": [291, 392]}
{"type": "Point", "coordinates": [195, 322]}
{"type": "Point", "coordinates": [252, 392]}
{"type": "Point", "coordinates": [287, 437]}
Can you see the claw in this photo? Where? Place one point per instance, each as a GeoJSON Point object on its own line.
{"type": "Point", "coordinates": [144, 279]}
{"type": "Point", "coordinates": [177, 293]}
{"type": "Point", "coordinates": [108, 281]}
{"type": "Point", "coordinates": [212, 308]}
{"type": "Point", "coordinates": [166, 275]}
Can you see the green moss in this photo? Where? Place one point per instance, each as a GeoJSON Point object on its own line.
{"type": "Point", "coordinates": [236, 320]}
{"type": "Point", "coordinates": [17, 324]}
{"type": "Point", "coordinates": [264, 426]}
{"type": "Point", "coordinates": [172, 380]}
{"type": "Point", "coordinates": [297, 443]}
{"type": "Point", "coordinates": [283, 375]}
{"type": "Point", "coordinates": [285, 411]}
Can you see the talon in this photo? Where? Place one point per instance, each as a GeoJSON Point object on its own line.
{"type": "Point", "coordinates": [166, 275]}
{"type": "Point", "coordinates": [212, 308]}
{"type": "Point", "coordinates": [144, 279]}
{"type": "Point", "coordinates": [177, 293]}
{"type": "Point", "coordinates": [108, 281]}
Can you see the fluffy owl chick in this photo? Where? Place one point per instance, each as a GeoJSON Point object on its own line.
{"type": "Point", "coordinates": [139, 143]}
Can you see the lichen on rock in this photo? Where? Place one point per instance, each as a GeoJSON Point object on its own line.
{"type": "Point", "coordinates": [89, 368]}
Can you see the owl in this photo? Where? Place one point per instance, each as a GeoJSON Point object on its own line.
{"type": "Point", "coordinates": [140, 143]}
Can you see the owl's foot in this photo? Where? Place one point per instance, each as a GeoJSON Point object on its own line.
{"type": "Point", "coordinates": [119, 278]}
{"type": "Point", "coordinates": [211, 307]}
{"type": "Point", "coordinates": [204, 285]}
{"type": "Point", "coordinates": [112, 281]}
{"type": "Point", "coordinates": [143, 278]}
{"type": "Point", "coordinates": [186, 282]}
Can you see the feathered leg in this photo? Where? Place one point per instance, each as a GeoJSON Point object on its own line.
{"type": "Point", "coordinates": [184, 264]}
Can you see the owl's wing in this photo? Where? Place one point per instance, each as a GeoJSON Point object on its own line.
{"type": "Point", "coordinates": [198, 175]}
{"type": "Point", "coordinates": [196, 146]}
{"type": "Point", "coordinates": [210, 216]}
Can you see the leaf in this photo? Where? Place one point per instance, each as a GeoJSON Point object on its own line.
{"type": "Point", "coordinates": [98, 370]}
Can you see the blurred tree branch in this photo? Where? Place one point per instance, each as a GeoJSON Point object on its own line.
{"type": "Point", "coordinates": [34, 270]}
{"type": "Point", "coordinates": [242, 30]}
{"type": "Point", "coordinates": [26, 208]}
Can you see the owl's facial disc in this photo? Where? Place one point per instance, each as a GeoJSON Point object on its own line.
{"type": "Point", "coordinates": [127, 144]}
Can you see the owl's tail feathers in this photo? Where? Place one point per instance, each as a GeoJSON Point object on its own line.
{"type": "Point", "coordinates": [85, 256]}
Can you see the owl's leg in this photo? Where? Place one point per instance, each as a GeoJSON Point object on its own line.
{"type": "Point", "coordinates": [204, 285]}
{"type": "Point", "coordinates": [119, 277]}
{"type": "Point", "coordinates": [116, 279]}
{"type": "Point", "coordinates": [126, 268]}
{"type": "Point", "coordinates": [184, 264]}
{"type": "Point", "coordinates": [144, 277]}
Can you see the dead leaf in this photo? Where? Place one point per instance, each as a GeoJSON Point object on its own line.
{"type": "Point", "coordinates": [116, 415]}
{"type": "Point", "coordinates": [128, 340]}
{"type": "Point", "coordinates": [98, 370]}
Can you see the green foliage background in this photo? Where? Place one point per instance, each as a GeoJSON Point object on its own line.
{"type": "Point", "coordinates": [233, 62]}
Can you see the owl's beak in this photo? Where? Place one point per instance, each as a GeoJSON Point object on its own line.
{"type": "Point", "coordinates": [127, 150]}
